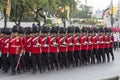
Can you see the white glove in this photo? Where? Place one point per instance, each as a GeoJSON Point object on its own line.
{"type": "Point", "coordinates": [29, 53]}
{"type": "Point", "coordinates": [7, 54]}
{"type": "Point", "coordinates": [20, 55]}
{"type": "Point", "coordinates": [0, 53]}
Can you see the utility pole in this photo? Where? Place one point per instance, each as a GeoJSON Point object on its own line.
{"type": "Point", "coordinates": [118, 13]}
{"type": "Point", "coordinates": [112, 20]}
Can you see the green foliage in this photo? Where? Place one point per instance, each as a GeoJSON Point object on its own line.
{"type": "Point", "coordinates": [48, 21]}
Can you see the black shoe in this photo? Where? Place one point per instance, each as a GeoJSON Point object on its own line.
{"type": "Point", "coordinates": [5, 71]}
{"type": "Point", "coordinates": [34, 72]}
{"type": "Point", "coordinates": [13, 73]}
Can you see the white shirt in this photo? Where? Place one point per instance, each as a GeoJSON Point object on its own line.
{"type": "Point", "coordinates": [116, 37]}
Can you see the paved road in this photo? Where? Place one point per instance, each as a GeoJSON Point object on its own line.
{"type": "Point", "coordinates": [90, 72]}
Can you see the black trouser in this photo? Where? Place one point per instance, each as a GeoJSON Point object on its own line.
{"type": "Point", "coordinates": [115, 45]}
{"type": "Point", "coordinates": [106, 51]}
{"type": "Point", "coordinates": [36, 61]}
{"type": "Point", "coordinates": [6, 62]}
{"type": "Point", "coordinates": [54, 60]}
{"type": "Point", "coordinates": [0, 60]}
{"type": "Point", "coordinates": [13, 61]}
{"type": "Point", "coordinates": [77, 57]}
{"type": "Point", "coordinates": [91, 56]}
{"type": "Point", "coordinates": [96, 55]}
{"type": "Point", "coordinates": [119, 44]}
{"type": "Point", "coordinates": [28, 62]}
{"type": "Point", "coordinates": [45, 60]}
{"type": "Point", "coordinates": [111, 52]}
{"type": "Point", "coordinates": [102, 55]}
{"type": "Point", "coordinates": [71, 60]}
{"type": "Point", "coordinates": [84, 55]}
{"type": "Point", "coordinates": [62, 56]}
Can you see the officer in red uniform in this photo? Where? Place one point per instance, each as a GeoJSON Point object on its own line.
{"type": "Point", "coordinates": [5, 45]}
{"type": "Point", "coordinates": [36, 50]}
{"type": "Point", "coordinates": [54, 50]}
{"type": "Point", "coordinates": [45, 47]}
{"type": "Point", "coordinates": [27, 48]}
{"type": "Point", "coordinates": [70, 43]}
{"type": "Point", "coordinates": [62, 48]}
{"type": "Point", "coordinates": [15, 47]}
{"type": "Point", "coordinates": [77, 43]}
{"type": "Point", "coordinates": [84, 44]}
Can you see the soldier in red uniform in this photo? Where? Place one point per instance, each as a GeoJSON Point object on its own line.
{"type": "Point", "coordinates": [27, 48]}
{"type": "Point", "coordinates": [101, 45]}
{"type": "Point", "coordinates": [111, 42]}
{"type": "Point", "coordinates": [90, 46]}
{"type": "Point", "coordinates": [36, 50]}
{"type": "Point", "coordinates": [54, 50]}
{"type": "Point", "coordinates": [70, 43]}
{"type": "Point", "coordinates": [77, 43]}
{"type": "Point", "coordinates": [62, 48]}
{"type": "Point", "coordinates": [22, 61]}
{"type": "Point", "coordinates": [5, 45]}
{"type": "Point", "coordinates": [95, 44]}
{"type": "Point", "coordinates": [45, 47]}
{"type": "Point", "coordinates": [106, 44]}
{"type": "Point", "coordinates": [15, 47]}
{"type": "Point", "coordinates": [84, 44]}
{"type": "Point", "coordinates": [1, 38]}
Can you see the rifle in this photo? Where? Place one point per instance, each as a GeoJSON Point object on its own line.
{"type": "Point", "coordinates": [20, 53]}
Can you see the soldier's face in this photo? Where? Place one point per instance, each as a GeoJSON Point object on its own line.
{"type": "Point", "coordinates": [35, 34]}
{"type": "Point", "coordinates": [21, 35]}
{"type": "Point", "coordinates": [15, 34]}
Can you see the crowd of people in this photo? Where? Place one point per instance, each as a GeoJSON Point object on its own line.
{"type": "Point", "coordinates": [43, 48]}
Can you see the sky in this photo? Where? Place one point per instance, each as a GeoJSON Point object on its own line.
{"type": "Point", "coordinates": [99, 4]}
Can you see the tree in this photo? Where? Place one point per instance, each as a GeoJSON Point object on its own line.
{"type": "Point", "coordinates": [18, 11]}
{"type": "Point", "coordinates": [85, 12]}
{"type": "Point", "coordinates": [3, 10]}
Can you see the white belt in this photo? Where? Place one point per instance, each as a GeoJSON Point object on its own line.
{"type": "Point", "coordinates": [35, 46]}
{"type": "Point", "coordinates": [15, 46]}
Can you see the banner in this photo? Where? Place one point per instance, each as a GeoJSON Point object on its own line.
{"type": "Point", "coordinates": [8, 7]}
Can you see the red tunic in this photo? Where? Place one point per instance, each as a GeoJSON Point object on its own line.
{"type": "Point", "coordinates": [53, 48]}
{"type": "Point", "coordinates": [45, 45]}
{"type": "Point", "coordinates": [83, 41]}
{"type": "Point", "coordinates": [111, 41]}
{"type": "Point", "coordinates": [1, 40]}
{"type": "Point", "coordinates": [62, 44]}
{"type": "Point", "coordinates": [100, 40]}
{"type": "Point", "coordinates": [36, 45]}
{"type": "Point", "coordinates": [77, 43]}
{"type": "Point", "coordinates": [27, 44]}
{"type": "Point", "coordinates": [106, 42]}
{"type": "Point", "coordinates": [89, 40]}
{"type": "Point", "coordinates": [5, 46]}
{"type": "Point", "coordinates": [70, 42]}
{"type": "Point", "coordinates": [95, 42]}
{"type": "Point", "coordinates": [15, 45]}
